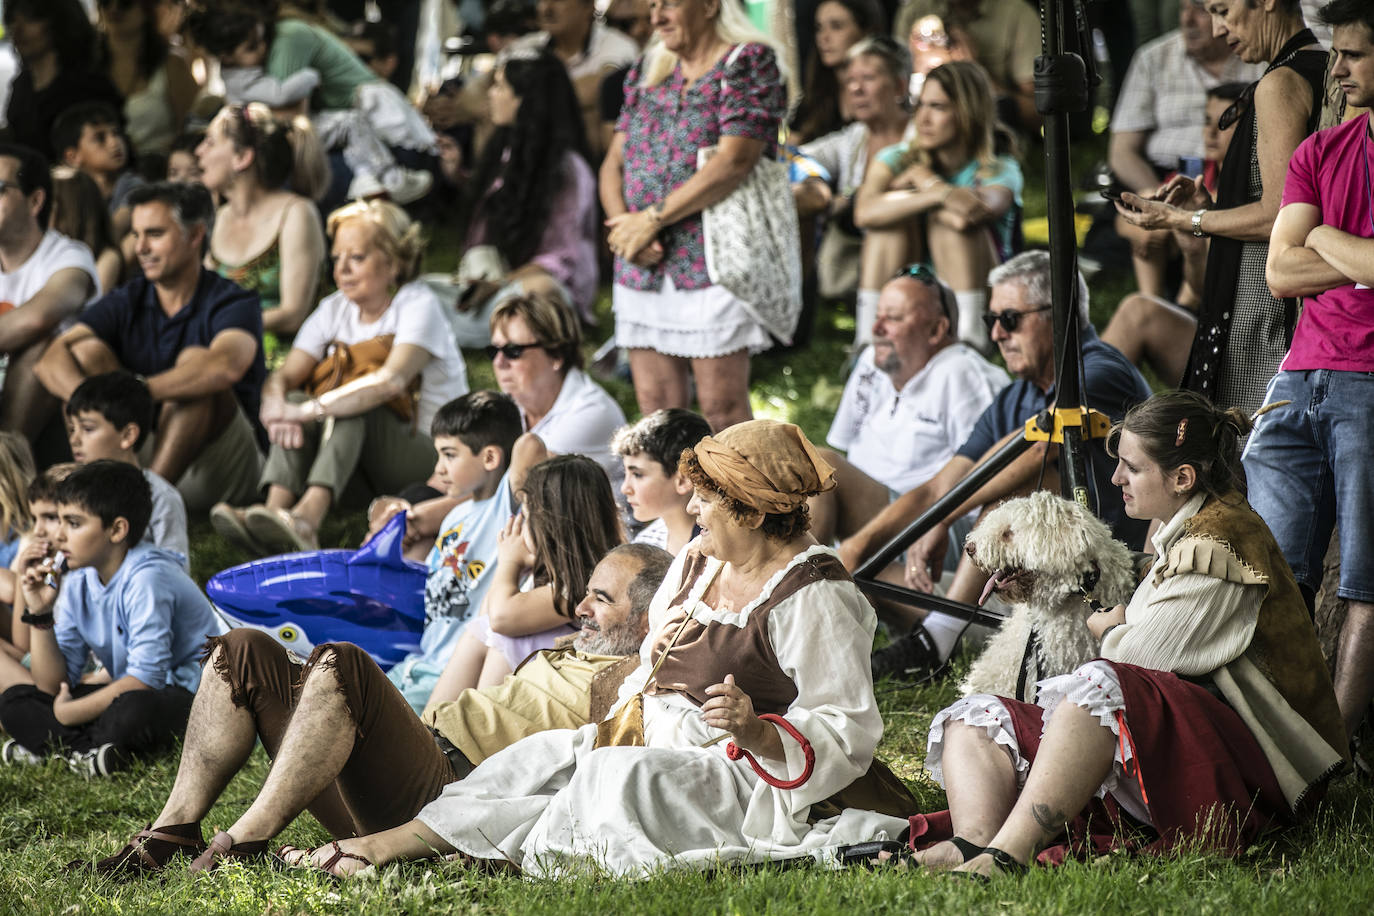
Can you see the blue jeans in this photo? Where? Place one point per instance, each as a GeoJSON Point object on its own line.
{"type": "Point", "coordinates": [1309, 469]}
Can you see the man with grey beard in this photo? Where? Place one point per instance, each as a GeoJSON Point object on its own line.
{"type": "Point", "coordinates": [352, 750]}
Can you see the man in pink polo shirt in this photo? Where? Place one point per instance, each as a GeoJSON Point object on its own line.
{"type": "Point", "coordinates": [1308, 462]}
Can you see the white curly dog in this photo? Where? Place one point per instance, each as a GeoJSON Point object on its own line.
{"type": "Point", "coordinates": [1044, 553]}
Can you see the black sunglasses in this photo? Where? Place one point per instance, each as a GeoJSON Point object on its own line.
{"type": "Point", "coordinates": [1010, 320]}
{"type": "Point", "coordinates": [1237, 108]}
{"type": "Point", "coordinates": [924, 273]}
{"type": "Point", "coordinates": [510, 350]}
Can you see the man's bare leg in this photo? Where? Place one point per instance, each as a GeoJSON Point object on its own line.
{"type": "Point", "coordinates": [219, 737]}
{"type": "Point", "coordinates": [313, 750]}
{"type": "Point", "coordinates": [186, 428]}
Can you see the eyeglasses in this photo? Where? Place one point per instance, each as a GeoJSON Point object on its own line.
{"type": "Point", "coordinates": [1010, 320]}
{"type": "Point", "coordinates": [510, 350]}
{"type": "Point", "coordinates": [924, 273]}
{"type": "Point", "coordinates": [1237, 108]}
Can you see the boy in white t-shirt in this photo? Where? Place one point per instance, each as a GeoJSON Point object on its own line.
{"type": "Point", "coordinates": [108, 416]}
{"type": "Point", "coordinates": [656, 491]}
{"type": "Point", "coordinates": [485, 459]}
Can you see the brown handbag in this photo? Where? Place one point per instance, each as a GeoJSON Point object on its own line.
{"type": "Point", "coordinates": [343, 363]}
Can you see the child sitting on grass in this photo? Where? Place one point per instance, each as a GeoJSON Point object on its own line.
{"type": "Point", "coordinates": [87, 138]}
{"type": "Point", "coordinates": [476, 438]}
{"type": "Point", "coordinates": [108, 417]}
{"type": "Point", "coordinates": [37, 545]}
{"type": "Point", "coordinates": [129, 604]}
{"type": "Point", "coordinates": [657, 493]}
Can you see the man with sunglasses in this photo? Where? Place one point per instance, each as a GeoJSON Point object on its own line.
{"type": "Point", "coordinates": [1020, 322]}
{"type": "Point", "coordinates": [44, 279]}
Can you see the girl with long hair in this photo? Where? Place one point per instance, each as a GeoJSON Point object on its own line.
{"type": "Point", "coordinates": [533, 228]}
{"type": "Point", "coordinates": [79, 212]}
{"type": "Point", "coordinates": [840, 24]}
{"type": "Point", "coordinates": [567, 522]}
{"type": "Point", "coordinates": [156, 83]}
{"type": "Point", "coordinates": [948, 196]}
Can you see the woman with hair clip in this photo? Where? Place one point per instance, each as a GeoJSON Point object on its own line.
{"type": "Point", "coordinates": [79, 212]}
{"type": "Point", "coordinates": [533, 196]}
{"type": "Point", "coordinates": [840, 25]}
{"type": "Point", "coordinates": [708, 78]}
{"type": "Point", "coordinates": [948, 196]}
{"type": "Point", "coordinates": [376, 422]}
{"type": "Point", "coordinates": [566, 523]}
{"type": "Point", "coordinates": [874, 79]}
{"type": "Point", "coordinates": [1208, 719]}
{"type": "Point", "coordinates": [269, 173]}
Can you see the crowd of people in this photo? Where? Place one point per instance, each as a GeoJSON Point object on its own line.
{"type": "Point", "coordinates": [606, 601]}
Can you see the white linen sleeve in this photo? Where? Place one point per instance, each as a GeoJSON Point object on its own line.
{"type": "Point", "coordinates": [822, 637]}
{"type": "Point", "coordinates": [1190, 625]}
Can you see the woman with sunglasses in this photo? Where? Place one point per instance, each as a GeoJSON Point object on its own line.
{"type": "Point", "coordinates": [536, 353]}
{"type": "Point", "coordinates": [319, 442]}
{"type": "Point", "coordinates": [947, 196]}
{"type": "Point", "coordinates": [1243, 331]}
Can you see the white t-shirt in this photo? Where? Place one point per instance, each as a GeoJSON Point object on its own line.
{"type": "Point", "coordinates": [413, 317]}
{"type": "Point", "coordinates": [581, 422]}
{"type": "Point", "coordinates": [902, 438]}
{"type": "Point", "coordinates": [55, 252]}
{"type": "Point", "coordinates": [167, 525]}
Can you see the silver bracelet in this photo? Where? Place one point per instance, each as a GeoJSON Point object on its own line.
{"type": "Point", "coordinates": [1197, 224]}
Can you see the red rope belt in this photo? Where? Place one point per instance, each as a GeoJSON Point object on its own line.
{"type": "Point", "coordinates": [735, 752]}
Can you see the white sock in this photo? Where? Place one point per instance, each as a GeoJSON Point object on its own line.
{"type": "Point", "coordinates": [865, 313]}
{"type": "Point", "coordinates": [945, 630]}
{"type": "Point", "coordinates": [973, 304]}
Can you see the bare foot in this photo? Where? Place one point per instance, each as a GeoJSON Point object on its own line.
{"type": "Point", "coordinates": [341, 858]}
{"type": "Point", "coordinates": [943, 856]}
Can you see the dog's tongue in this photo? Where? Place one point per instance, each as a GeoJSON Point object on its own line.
{"type": "Point", "coordinates": [996, 579]}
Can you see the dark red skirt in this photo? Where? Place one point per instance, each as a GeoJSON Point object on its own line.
{"type": "Point", "coordinates": [1205, 779]}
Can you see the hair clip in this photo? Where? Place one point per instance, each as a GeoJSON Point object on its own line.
{"type": "Point", "coordinates": [1182, 428]}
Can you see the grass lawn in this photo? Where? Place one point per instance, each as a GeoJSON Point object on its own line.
{"type": "Point", "coordinates": [48, 816]}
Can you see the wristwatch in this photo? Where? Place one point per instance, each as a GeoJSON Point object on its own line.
{"type": "Point", "coordinates": [1197, 224]}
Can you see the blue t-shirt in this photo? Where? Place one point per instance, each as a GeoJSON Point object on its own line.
{"type": "Point", "coordinates": [146, 340]}
{"type": "Point", "coordinates": [150, 620]}
{"type": "Point", "coordinates": [1110, 384]}
{"type": "Point", "coordinates": [1005, 172]}
{"type": "Point", "coordinates": [460, 564]}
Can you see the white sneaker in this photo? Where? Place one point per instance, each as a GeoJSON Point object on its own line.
{"type": "Point", "coordinates": [100, 761]}
{"type": "Point", "coordinates": [15, 754]}
{"type": "Point", "coordinates": [365, 186]}
{"type": "Point", "coordinates": [406, 186]}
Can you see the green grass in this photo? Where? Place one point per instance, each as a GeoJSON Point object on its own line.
{"type": "Point", "coordinates": [49, 817]}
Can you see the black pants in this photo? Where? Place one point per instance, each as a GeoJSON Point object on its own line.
{"type": "Point", "coordinates": [137, 722]}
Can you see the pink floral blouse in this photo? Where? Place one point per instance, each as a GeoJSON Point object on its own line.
{"type": "Point", "coordinates": [664, 127]}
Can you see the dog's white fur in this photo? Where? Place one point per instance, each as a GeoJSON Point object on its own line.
{"type": "Point", "coordinates": [1046, 545]}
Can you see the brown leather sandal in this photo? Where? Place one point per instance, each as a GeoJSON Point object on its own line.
{"type": "Point", "coordinates": [295, 857]}
{"type": "Point", "coordinates": [223, 849]}
{"type": "Point", "coordinates": [150, 850]}
{"type": "Point", "coordinates": [339, 855]}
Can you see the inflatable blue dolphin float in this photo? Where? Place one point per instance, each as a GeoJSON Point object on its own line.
{"type": "Point", "coordinates": [373, 597]}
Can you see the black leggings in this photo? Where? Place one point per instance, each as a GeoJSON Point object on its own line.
{"type": "Point", "coordinates": [137, 722]}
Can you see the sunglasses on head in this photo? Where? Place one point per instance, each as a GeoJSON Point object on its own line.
{"type": "Point", "coordinates": [510, 350]}
{"type": "Point", "coordinates": [922, 272]}
{"type": "Point", "coordinates": [1010, 320]}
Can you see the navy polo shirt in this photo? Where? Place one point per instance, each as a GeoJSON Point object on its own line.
{"type": "Point", "coordinates": [147, 340]}
{"type": "Point", "coordinates": [1110, 384]}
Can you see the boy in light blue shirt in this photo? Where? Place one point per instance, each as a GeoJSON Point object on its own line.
{"type": "Point", "coordinates": [133, 607]}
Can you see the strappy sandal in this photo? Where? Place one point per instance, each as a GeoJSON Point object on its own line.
{"type": "Point", "coordinates": [147, 851]}
{"type": "Point", "coordinates": [1007, 866]}
{"type": "Point", "coordinates": [898, 854]}
{"type": "Point", "coordinates": [295, 857]}
{"type": "Point", "coordinates": [223, 849]}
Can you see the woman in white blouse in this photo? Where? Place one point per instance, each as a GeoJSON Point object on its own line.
{"type": "Point", "coordinates": [1210, 716]}
{"type": "Point", "coordinates": [376, 424]}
